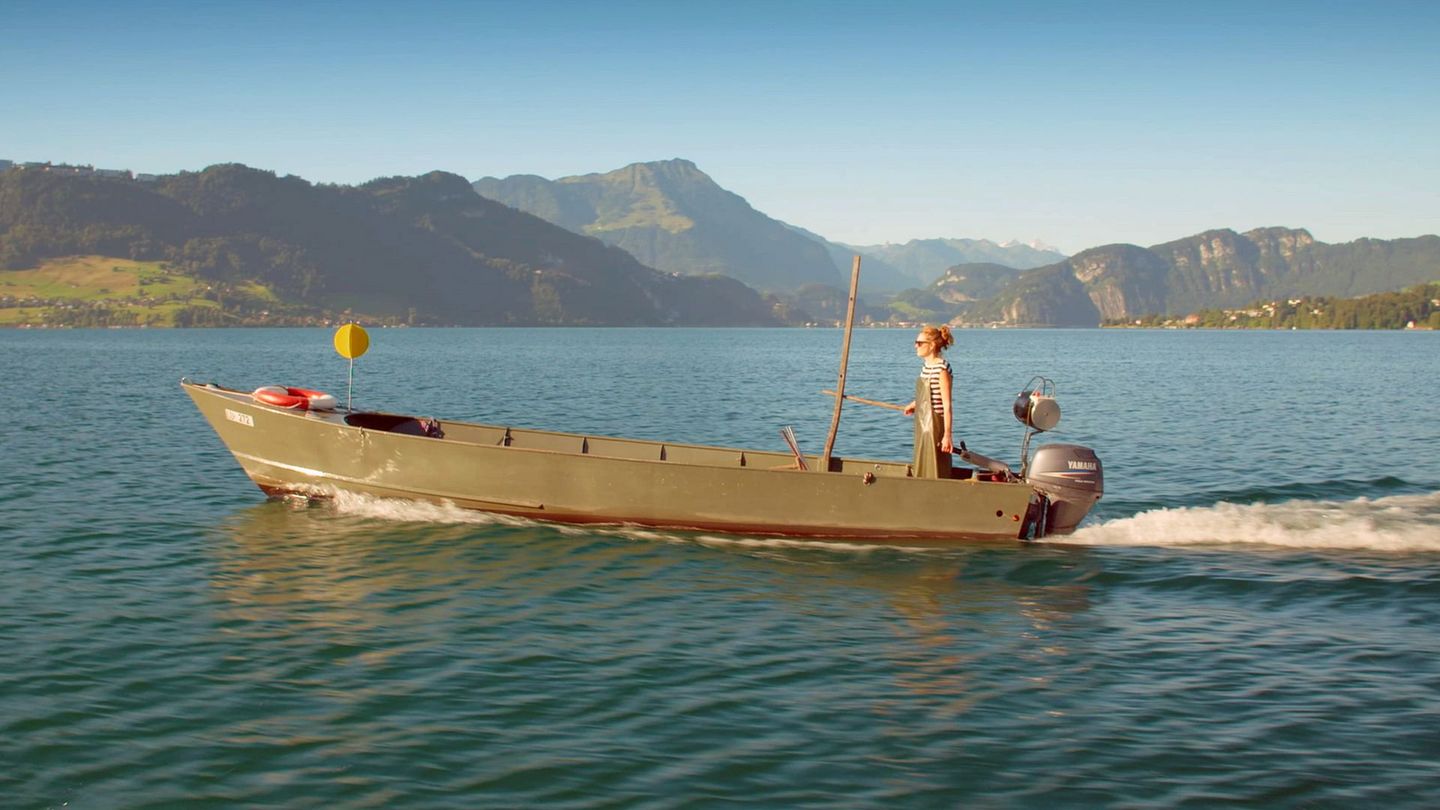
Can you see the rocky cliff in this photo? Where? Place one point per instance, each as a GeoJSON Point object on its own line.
{"type": "Point", "coordinates": [1214, 269]}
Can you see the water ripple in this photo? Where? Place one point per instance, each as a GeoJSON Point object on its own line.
{"type": "Point", "coordinates": [1241, 630]}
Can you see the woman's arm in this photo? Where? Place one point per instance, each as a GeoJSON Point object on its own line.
{"type": "Point", "coordinates": [909, 409]}
{"type": "Point", "coordinates": [947, 444]}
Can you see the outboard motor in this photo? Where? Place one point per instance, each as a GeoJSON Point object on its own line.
{"type": "Point", "coordinates": [1071, 479]}
{"type": "Point", "coordinates": [1068, 476]}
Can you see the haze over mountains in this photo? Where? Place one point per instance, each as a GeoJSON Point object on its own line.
{"type": "Point", "coordinates": [672, 216]}
{"type": "Point", "coordinates": [923, 261]}
{"type": "Point", "coordinates": [652, 243]}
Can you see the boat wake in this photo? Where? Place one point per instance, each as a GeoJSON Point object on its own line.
{"type": "Point", "coordinates": [405, 511]}
{"type": "Point", "coordinates": [1407, 523]}
{"type": "Point", "coordinates": [1396, 523]}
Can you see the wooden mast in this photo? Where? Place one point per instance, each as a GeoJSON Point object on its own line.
{"type": "Point", "coordinates": [844, 363]}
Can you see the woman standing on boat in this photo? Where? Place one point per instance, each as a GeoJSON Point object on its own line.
{"type": "Point", "coordinates": [931, 406]}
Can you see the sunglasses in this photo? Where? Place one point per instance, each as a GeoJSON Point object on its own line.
{"type": "Point", "coordinates": [923, 342]}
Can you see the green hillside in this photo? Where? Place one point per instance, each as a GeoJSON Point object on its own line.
{"type": "Point", "coordinates": [1417, 307]}
{"type": "Point", "coordinates": [406, 249]}
{"type": "Point", "coordinates": [105, 291]}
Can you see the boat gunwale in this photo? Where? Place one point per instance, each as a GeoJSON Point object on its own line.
{"type": "Point", "coordinates": [336, 418]}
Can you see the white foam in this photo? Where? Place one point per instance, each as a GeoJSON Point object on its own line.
{"type": "Point", "coordinates": [742, 541]}
{"type": "Point", "coordinates": [1395, 523]}
{"type": "Point", "coordinates": [403, 511]}
{"type": "Point", "coordinates": [1408, 523]}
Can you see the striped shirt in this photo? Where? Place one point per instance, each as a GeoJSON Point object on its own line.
{"type": "Point", "coordinates": [930, 373]}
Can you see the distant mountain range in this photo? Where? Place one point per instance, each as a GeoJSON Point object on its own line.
{"type": "Point", "coordinates": [672, 216]}
{"type": "Point", "coordinates": [1214, 269]}
{"type": "Point", "coordinates": [427, 249]}
{"type": "Point", "coordinates": [923, 261]}
{"type": "Point", "coordinates": [431, 249]}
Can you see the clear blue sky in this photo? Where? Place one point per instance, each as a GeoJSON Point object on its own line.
{"type": "Point", "coordinates": [1078, 123]}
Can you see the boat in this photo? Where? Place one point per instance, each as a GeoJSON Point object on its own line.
{"type": "Point", "coordinates": [576, 478]}
{"type": "Point", "coordinates": [297, 441]}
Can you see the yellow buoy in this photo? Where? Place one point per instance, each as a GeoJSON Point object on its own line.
{"type": "Point", "coordinates": [351, 341]}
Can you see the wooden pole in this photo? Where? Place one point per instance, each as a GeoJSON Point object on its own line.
{"type": "Point", "coordinates": [844, 364]}
{"type": "Point", "coordinates": [876, 403]}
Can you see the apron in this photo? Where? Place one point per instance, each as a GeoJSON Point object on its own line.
{"type": "Point", "coordinates": [929, 430]}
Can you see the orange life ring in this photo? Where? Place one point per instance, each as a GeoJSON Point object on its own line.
{"type": "Point", "coordinates": [303, 399]}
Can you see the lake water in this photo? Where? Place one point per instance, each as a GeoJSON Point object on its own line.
{"type": "Point", "coordinates": [1250, 616]}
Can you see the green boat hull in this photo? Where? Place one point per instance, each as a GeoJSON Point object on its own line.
{"type": "Point", "coordinates": [573, 478]}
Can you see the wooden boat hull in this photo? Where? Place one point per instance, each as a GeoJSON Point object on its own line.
{"type": "Point", "coordinates": [573, 478]}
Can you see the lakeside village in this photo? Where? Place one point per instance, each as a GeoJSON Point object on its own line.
{"type": "Point", "coordinates": [209, 306]}
{"type": "Point", "coordinates": [1415, 309]}
{"type": "Point", "coordinates": [77, 171]}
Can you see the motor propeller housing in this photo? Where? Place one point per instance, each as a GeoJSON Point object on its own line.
{"type": "Point", "coordinates": [1071, 478]}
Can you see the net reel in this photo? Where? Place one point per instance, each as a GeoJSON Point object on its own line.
{"type": "Point", "coordinates": [1035, 408]}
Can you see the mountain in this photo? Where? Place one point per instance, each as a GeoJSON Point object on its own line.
{"type": "Point", "coordinates": [1214, 269]}
{"type": "Point", "coordinates": [672, 216]}
{"type": "Point", "coordinates": [876, 274]}
{"type": "Point", "coordinates": [925, 260]}
{"type": "Point", "coordinates": [969, 283]}
{"type": "Point", "coordinates": [428, 249]}
{"type": "Point", "coordinates": [961, 289]}
{"type": "Point", "coordinates": [1033, 243]}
